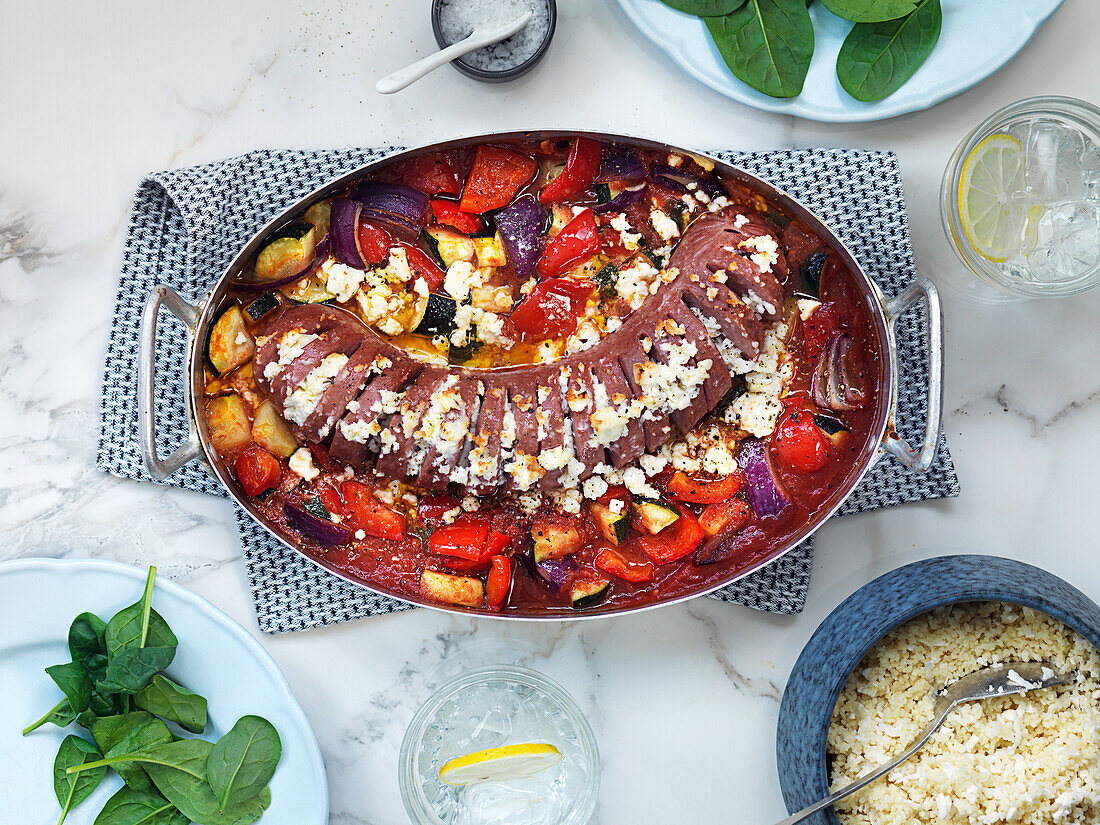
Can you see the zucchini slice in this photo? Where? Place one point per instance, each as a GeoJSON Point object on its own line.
{"type": "Point", "coordinates": [230, 344]}
{"type": "Point", "coordinates": [307, 291]}
{"type": "Point", "coordinates": [834, 430]}
{"type": "Point", "coordinates": [615, 527]}
{"type": "Point", "coordinates": [262, 305]}
{"type": "Point", "coordinates": [451, 245]}
{"type": "Point", "coordinates": [289, 253]}
{"type": "Point", "coordinates": [553, 539]}
{"type": "Point", "coordinates": [439, 316]}
{"type": "Point", "coordinates": [316, 507]}
{"type": "Point", "coordinates": [227, 424]}
{"type": "Point", "coordinates": [588, 592]}
{"type": "Point", "coordinates": [653, 515]}
{"type": "Point", "coordinates": [318, 215]}
{"type": "Point", "coordinates": [445, 587]}
{"type": "Point", "coordinates": [272, 433]}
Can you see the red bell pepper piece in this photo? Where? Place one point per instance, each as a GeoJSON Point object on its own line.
{"type": "Point", "coordinates": [580, 170]}
{"type": "Point", "coordinates": [496, 543]}
{"type": "Point", "coordinates": [495, 178]}
{"type": "Point", "coordinates": [363, 511]}
{"type": "Point", "coordinates": [616, 563]}
{"type": "Point", "coordinates": [321, 457]}
{"type": "Point", "coordinates": [499, 582]}
{"type": "Point", "coordinates": [374, 242]}
{"type": "Point", "coordinates": [464, 538]}
{"type": "Point", "coordinates": [552, 309]}
{"type": "Point", "coordinates": [447, 213]}
{"type": "Point", "coordinates": [579, 239]}
{"type": "Point", "coordinates": [674, 542]}
{"type": "Point", "coordinates": [729, 515]}
{"type": "Point", "coordinates": [819, 328]}
{"type": "Point", "coordinates": [799, 444]}
{"type": "Point", "coordinates": [682, 488]}
{"type": "Point", "coordinates": [424, 266]}
{"type": "Point", "coordinates": [331, 499]}
{"type": "Point", "coordinates": [257, 469]}
{"type": "Point", "coordinates": [434, 173]}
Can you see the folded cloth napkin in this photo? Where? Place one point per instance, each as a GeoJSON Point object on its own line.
{"type": "Point", "coordinates": [188, 224]}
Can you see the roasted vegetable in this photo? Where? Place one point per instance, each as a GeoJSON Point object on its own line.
{"type": "Point", "coordinates": [271, 432]}
{"type": "Point", "coordinates": [588, 591]}
{"type": "Point", "coordinates": [615, 527]}
{"type": "Point", "coordinates": [227, 424]}
{"type": "Point", "coordinates": [230, 344]}
{"type": "Point", "coordinates": [262, 305]}
{"type": "Point", "coordinates": [445, 587]}
{"type": "Point", "coordinates": [653, 515]}
{"type": "Point", "coordinates": [554, 538]}
{"type": "Point", "coordinates": [289, 253]}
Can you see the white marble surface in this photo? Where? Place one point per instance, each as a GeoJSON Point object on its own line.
{"type": "Point", "coordinates": [683, 699]}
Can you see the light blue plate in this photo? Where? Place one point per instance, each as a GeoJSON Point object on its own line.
{"type": "Point", "coordinates": [977, 39]}
{"type": "Point", "coordinates": [216, 657]}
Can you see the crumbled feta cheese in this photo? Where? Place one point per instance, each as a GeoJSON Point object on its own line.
{"type": "Point", "coordinates": [756, 413]}
{"type": "Point", "coordinates": [301, 462]}
{"type": "Point", "coordinates": [461, 277]}
{"type": "Point", "coordinates": [633, 282]}
{"type": "Point", "coordinates": [290, 346]}
{"type": "Point", "coordinates": [663, 225]}
{"type": "Point", "coordinates": [652, 464]}
{"type": "Point", "coordinates": [616, 505]}
{"type": "Point", "coordinates": [807, 307]}
{"type": "Point", "coordinates": [635, 481]}
{"type": "Point", "coordinates": [341, 280]}
{"type": "Point", "coordinates": [360, 534]}
{"type": "Point", "coordinates": [594, 487]}
{"type": "Point", "coordinates": [767, 251]}
{"type": "Point", "coordinates": [301, 403]}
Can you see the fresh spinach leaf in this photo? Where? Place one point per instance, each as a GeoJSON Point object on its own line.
{"type": "Point", "coordinates": [75, 683]}
{"type": "Point", "coordinates": [243, 761]}
{"type": "Point", "coordinates": [766, 44]}
{"type": "Point", "coordinates": [134, 668]}
{"type": "Point", "coordinates": [877, 58]}
{"type": "Point", "coordinates": [170, 701]}
{"type": "Point", "coordinates": [107, 703]}
{"type": "Point", "coordinates": [74, 788]}
{"type": "Point", "coordinates": [870, 11]}
{"type": "Point", "coordinates": [130, 807]}
{"type": "Point", "coordinates": [129, 733]}
{"type": "Point", "coordinates": [139, 625]}
{"type": "Point", "coordinates": [87, 637]}
{"type": "Point", "coordinates": [60, 714]}
{"type": "Point", "coordinates": [705, 8]}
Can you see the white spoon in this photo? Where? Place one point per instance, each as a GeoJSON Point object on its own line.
{"type": "Point", "coordinates": [479, 38]}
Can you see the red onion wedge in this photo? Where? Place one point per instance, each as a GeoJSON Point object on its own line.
{"type": "Point", "coordinates": [620, 164]}
{"type": "Point", "coordinates": [554, 573]}
{"type": "Point", "coordinates": [836, 385]}
{"type": "Point", "coordinates": [765, 491]}
{"type": "Point", "coordinates": [622, 200]}
{"type": "Point", "coordinates": [344, 229]}
{"type": "Point", "coordinates": [520, 225]}
{"type": "Point", "coordinates": [391, 203]}
{"type": "Point", "coordinates": [320, 530]}
{"type": "Point", "coordinates": [682, 181]}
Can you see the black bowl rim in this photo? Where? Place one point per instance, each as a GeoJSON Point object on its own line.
{"type": "Point", "coordinates": [504, 74]}
{"type": "Point", "coordinates": [831, 653]}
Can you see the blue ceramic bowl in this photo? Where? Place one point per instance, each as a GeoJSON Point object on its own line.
{"type": "Point", "coordinates": [873, 611]}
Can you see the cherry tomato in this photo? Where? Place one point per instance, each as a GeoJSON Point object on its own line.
{"type": "Point", "coordinates": [729, 515]}
{"type": "Point", "coordinates": [257, 469]}
{"type": "Point", "coordinates": [580, 170]}
{"type": "Point", "coordinates": [499, 582]}
{"type": "Point", "coordinates": [799, 444]}
{"type": "Point", "coordinates": [682, 488]}
{"type": "Point", "coordinates": [435, 173]}
{"type": "Point", "coordinates": [432, 506]}
{"type": "Point", "coordinates": [364, 512]}
{"type": "Point", "coordinates": [579, 239]}
{"type": "Point", "coordinates": [818, 328]}
{"type": "Point", "coordinates": [552, 309]}
{"type": "Point", "coordinates": [675, 541]}
{"type": "Point", "coordinates": [495, 178]}
{"type": "Point", "coordinates": [374, 243]}
{"type": "Point", "coordinates": [464, 538]}
{"type": "Point", "coordinates": [615, 562]}
{"type": "Point", "coordinates": [447, 213]}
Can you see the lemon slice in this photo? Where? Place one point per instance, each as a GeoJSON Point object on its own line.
{"type": "Point", "coordinates": [500, 764]}
{"type": "Point", "coordinates": [992, 174]}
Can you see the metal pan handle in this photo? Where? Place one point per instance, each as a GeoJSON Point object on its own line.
{"type": "Point", "coordinates": [190, 449]}
{"type": "Point", "coordinates": [898, 447]}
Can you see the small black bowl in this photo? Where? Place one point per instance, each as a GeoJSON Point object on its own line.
{"type": "Point", "coordinates": [505, 74]}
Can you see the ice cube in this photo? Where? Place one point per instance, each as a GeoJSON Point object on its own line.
{"type": "Point", "coordinates": [1053, 155]}
{"type": "Point", "coordinates": [1090, 163]}
{"type": "Point", "coordinates": [1067, 245]}
{"type": "Point", "coordinates": [493, 803]}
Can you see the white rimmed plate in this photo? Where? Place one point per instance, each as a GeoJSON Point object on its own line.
{"type": "Point", "coordinates": [978, 37]}
{"type": "Point", "coordinates": [219, 659]}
